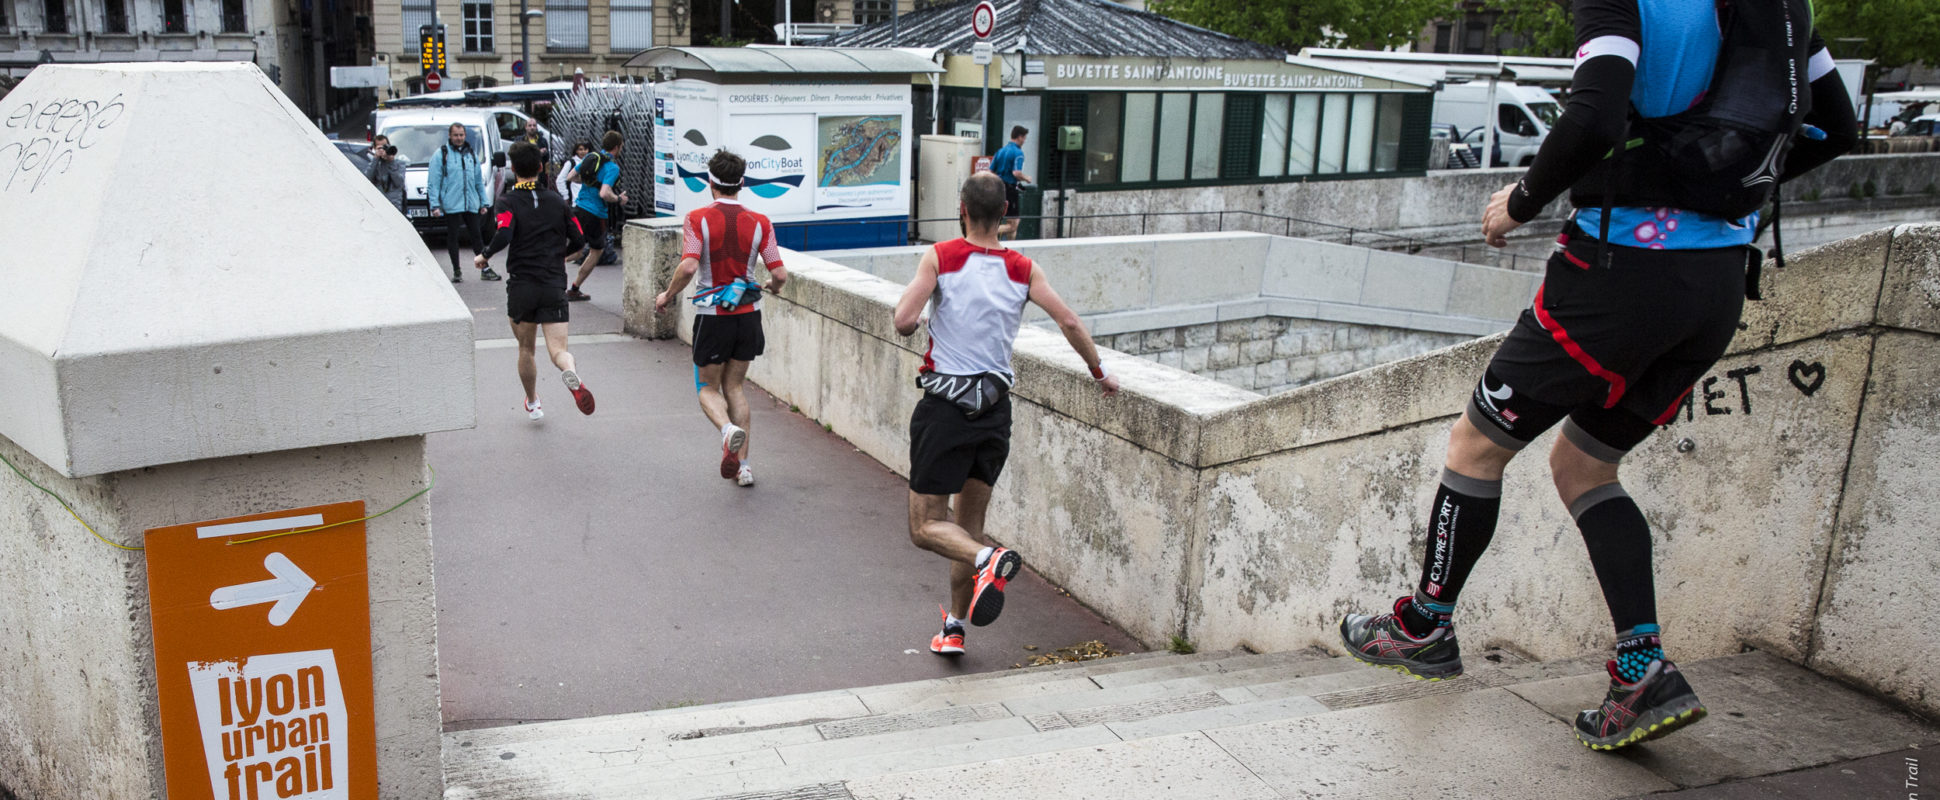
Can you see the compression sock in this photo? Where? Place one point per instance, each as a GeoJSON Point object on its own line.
{"type": "Point", "coordinates": [1618, 538]}
{"type": "Point", "coordinates": [1636, 648]}
{"type": "Point", "coordinates": [1460, 525]}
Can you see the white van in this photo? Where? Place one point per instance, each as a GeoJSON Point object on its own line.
{"type": "Point", "coordinates": [419, 132]}
{"type": "Point", "coordinates": [1523, 116]}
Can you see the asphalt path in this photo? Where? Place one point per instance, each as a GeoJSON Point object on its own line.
{"type": "Point", "coordinates": [600, 565]}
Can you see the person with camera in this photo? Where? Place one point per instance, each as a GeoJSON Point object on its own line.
{"type": "Point", "coordinates": [387, 174]}
{"type": "Point", "coordinates": [719, 244]}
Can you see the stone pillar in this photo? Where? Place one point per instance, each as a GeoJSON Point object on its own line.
{"type": "Point", "coordinates": [192, 335]}
{"type": "Point", "coordinates": [652, 253]}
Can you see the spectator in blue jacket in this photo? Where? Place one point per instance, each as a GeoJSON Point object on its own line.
{"type": "Point", "coordinates": [456, 191]}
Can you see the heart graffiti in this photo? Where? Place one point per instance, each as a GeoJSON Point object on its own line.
{"type": "Point", "coordinates": [1807, 377]}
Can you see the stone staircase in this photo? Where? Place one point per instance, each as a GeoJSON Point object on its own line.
{"type": "Point", "coordinates": [1208, 725]}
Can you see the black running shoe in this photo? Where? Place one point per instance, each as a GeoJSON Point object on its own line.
{"type": "Point", "coordinates": [1380, 640]}
{"type": "Point", "coordinates": [1659, 703]}
{"type": "Point", "coordinates": [490, 275]}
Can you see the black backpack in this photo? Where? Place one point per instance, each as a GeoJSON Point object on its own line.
{"type": "Point", "coordinates": [1723, 155]}
{"type": "Point", "coordinates": [589, 168]}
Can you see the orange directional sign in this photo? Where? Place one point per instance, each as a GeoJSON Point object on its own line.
{"type": "Point", "coordinates": [262, 656]}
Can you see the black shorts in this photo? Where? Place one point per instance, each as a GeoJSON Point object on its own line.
{"type": "Point", "coordinates": [1013, 200]}
{"type": "Point", "coordinates": [592, 227]}
{"type": "Point", "coordinates": [1614, 348]}
{"type": "Point", "coordinates": [534, 302]}
{"type": "Point", "coordinates": [719, 337]}
{"type": "Point", "coordinates": [946, 449]}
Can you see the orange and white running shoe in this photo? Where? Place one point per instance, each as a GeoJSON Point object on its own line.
{"type": "Point", "coordinates": [987, 599]}
{"type": "Point", "coordinates": [948, 642]}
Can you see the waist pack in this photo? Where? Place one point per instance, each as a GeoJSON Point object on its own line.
{"type": "Point", "coordinates": [731, 295]}
{"type": "Point", "coordinates": [974, 394]}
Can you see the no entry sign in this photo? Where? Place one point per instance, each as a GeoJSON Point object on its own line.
{"type": "Point", "coordinates": [432, 82]}
{"type": "Point", "coordinates": [262, 657]}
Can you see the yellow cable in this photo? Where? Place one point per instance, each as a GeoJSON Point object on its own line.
{"type": "Point", "coordinates": [104, 540]}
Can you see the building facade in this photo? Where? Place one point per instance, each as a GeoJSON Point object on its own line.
{"type": "Point", "coordinates": [270, 33]}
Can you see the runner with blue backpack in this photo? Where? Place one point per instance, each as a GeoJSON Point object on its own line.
{"type": "Point", "coordinates": [1682, 119]}
{"type": "Point", "coordinates": [720, 242]}
{"type": "Point", "coordinates": [599, 178]}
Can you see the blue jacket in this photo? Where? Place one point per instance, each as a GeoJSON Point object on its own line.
{"type": "Point", "coordinates": [455, 183]}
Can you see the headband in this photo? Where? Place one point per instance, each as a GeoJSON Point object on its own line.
{"type": "Point", "coordinates": [718, 182]}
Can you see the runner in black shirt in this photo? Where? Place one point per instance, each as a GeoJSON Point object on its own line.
{"type": "Point", "coordinates": [536, 229]}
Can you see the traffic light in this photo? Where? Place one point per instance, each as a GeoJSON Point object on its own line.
{"type": "Point", "coordinates": [431, 50]}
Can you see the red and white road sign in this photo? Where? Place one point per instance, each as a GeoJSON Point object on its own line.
{"type": "Point", "coordinates": [984, 19]}
{"type": "Point", "coordinates": [432, 82]}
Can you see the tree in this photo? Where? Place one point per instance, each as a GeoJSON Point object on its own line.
{"type": "Point", "coordinates": [1545, 24]}
{"type": "Point", "coordinates": [1293, 24]}
{"type": "Point", "coordinates": [1897, 32]}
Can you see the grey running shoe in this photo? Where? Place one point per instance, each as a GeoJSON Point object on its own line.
{"type": "Point", "coordinates": [1661, 702]}
{"type": "Point", "coordinates": [1379, 639]}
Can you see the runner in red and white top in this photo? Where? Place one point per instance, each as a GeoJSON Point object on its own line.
{"type": "Point", "coordinates": [959, 435]}
{"type": "Point", "coordinates": [720, 244]}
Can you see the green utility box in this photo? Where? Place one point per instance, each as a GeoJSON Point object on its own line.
{"type": "Point", "coordinates": [1071, 137]}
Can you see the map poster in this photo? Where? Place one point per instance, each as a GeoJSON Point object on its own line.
{"type": "Point", "coordinates": [859, 163]}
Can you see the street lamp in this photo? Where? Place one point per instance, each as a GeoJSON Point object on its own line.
{"type": "Point", "coordinates": [526, 16]}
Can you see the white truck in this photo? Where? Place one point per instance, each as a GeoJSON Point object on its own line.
{"type": "Point", "coordinates": [1523, 116]}
{"type": "Point", "coordinates": [419, 132]}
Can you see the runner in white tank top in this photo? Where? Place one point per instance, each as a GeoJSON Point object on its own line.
{"type": "Point", "coordinates": [959, 435]}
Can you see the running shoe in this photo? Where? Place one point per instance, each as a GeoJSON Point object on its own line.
{"type": "Point", "coordinates": [1380, 640]}
{"type": "Point", "coordinates": [575, 295]}
{"type": "Point", "coordinates": [582, 396]}
{"type": "Point", "coordinates": [1657, 704]}
{"type": "Point", "coordinates": [532, 410]}
{"type": "Point", "coordinates": [489, 275]}
{"type": "Point", "coordinates": [987, 599]}
{"type": "Point", "coordinates": [948, 642]}
{"type": "Point", "coordinates": [732, 437]}
{"type": "Point", "coordinates": [457, 278]}
{"type": "Point", "coordinates": [744, 477]}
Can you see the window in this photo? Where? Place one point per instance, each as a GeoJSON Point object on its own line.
{"type": "Point", "coordinates": [1175, 130]}
{"type": "Point", "coordinates": [1474, 37]}
{"type": "Point", "coordinates": [1444, 36]}
{"type": "Point", "coordinates": [1360, 134]}
{"type": "Point", "coordinates": [417, 14]}
{"type": "Point", "coordinates": [478, 27]}
{"type": "Point", "coordinates": [1333, 134]}
{"type": "Point", "coordinates": [1510, 120]}
{"type": "Point", "coordinates": [115, 16]}
{"type": "Point", "coordinates": [1141, 112]}
{"type": "Point", "coordinates": [1306, 134]}
{"type": "Point", "coordinates": [869, 11]}
{"type": "Point", "coordinates": [1387, 133]}
{"type": "Point", "coordinates": [1208, 121]}
{"type": "Point", "coordinates": [235, 18]}
{"type": "Point", "coordinates": [1101, 138]}
{"type": "Point", "coordinates": [1240, 149]}
{"type": "Point", "coordinates": [56, 11]}
{"type": "Point", "coordinates": [566, 27]}
{"type": "Point", "coordinates": [632, 25]}
{"type": "Point", "coordinates": [175, 16]}
{"type": "Point", "coordinates": [1273, 136]}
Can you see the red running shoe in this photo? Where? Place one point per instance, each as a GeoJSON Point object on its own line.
{"type": "Point", "coordinates": [987, 599]}
{"type": "Point", "coordinates": [581, 395]}
{"type": "Point", "coordinates": [732, 438]}
{"type": "Point", "coordinates": [949, 642]}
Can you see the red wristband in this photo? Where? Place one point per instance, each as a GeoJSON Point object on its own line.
{"type": "Point", "coordinates": [1098, 371]}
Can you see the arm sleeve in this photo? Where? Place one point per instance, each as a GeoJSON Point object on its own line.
{"type": "Point", "coordinates": [1607, 37]}
{"type": "Point", "coordinates": [690, 239]}
{"type": "Point", "coordinates": [575, 235]}
{"type": "Point", "coordinates": [503, 238]}
{"type": "Point", "coordinates": [1832, 112]}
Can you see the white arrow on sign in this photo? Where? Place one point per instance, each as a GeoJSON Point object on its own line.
{"type": "Point", "coordinates": [286, 590]}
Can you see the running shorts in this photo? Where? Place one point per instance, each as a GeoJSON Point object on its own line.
{"type": "Point", "coordinates": [1614, 348]}
{"type": "Point", "coordinates": [946, 449]}
{"type": "Point", "coordinates": [592, 227]}
{"type": "Point", "coordinates": [720, 337]}
{"type": "Point", "coordinates": [533, 302]}
{"type": "Point", "coordinates": [1013, 200]}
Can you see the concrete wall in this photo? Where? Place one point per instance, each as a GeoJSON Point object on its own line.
{"type": "Point", "coordinates": [1274, 354]}
{"type": "Point", "coordinates": [1795, 520]}
{"type": "Point", "coordinates": [1431, 206]}
{"type": "Point", "coordinates": [78, 714]}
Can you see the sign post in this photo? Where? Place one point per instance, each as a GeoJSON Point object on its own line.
{"type": "Point", "coordinates": [263, 656]}
{"type": "Point", "coordinates": [983, 20]}
{"type": "Point", "coordinates": [431, 55]}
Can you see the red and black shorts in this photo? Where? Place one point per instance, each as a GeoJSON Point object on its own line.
{"type": "Point", "coordinates": [1614, 348]}
{"type": "Point", "coordinates": [719, 338]}
{"type": "Point", "coordinates": [592, 227]}
{"type": "Point", "coordinates": [947, 449]}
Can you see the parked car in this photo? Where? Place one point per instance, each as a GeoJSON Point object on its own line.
{"type": "Point", "coordinates": [1923, 125]}
{"type": "Point", "coordinates": [357, 152]}
{"type": "Point", "coordinates": [418, 133]}
{"type": "Point", "coordinates": [1523, 116]}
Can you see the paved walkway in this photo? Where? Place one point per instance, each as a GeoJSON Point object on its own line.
{"type": "Point", "coordinates": [599, 565]}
